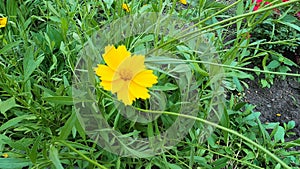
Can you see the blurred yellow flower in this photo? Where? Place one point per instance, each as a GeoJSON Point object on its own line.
{"type": "Point", "coordinates": [183, 2]}
{"type": "Point", "coordinates": [126, 7]}
{"type": "Point", "coordinates": [3, 22]}
{"type": "Point", "coordinates": [125, 75]}
{"type": "Point", "coordinates": [5, 155]}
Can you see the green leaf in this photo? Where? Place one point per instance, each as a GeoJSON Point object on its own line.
{"type": "Point", "coordinates": [264, 83]}
{"type": "Point", "coordinates": [279, 134]}
{"type": "Point", "coordinates": [238, 106]}
{"type": "Point", "coordinates": [173, 166]}
{"type": "Point", "coordinates": [67, 128]}
{"type": "Point", "coordinates": [16, 120]}
{"type": "Point", "coordinates": [239, 74]}
{"type": "Point", "coordinates": [80, 129]}
{"type": "Point", "coordinates": [199, 70]}
{"type": "Point", "coordinates": [250, 155]}
{"type": "Point", "coordinates": [4, 139]}
{"type": "Point", "coordinates": [34, 151]}
{"type": "Point", "coordinates": [53, 155]}
{"type": "Point", "coordinates": [237, 83]}
{"type": "Point", "coordinates": [273, 64]}
{"type": "Point", "coordinates": [284, 69]}
{"type": "Point", "coordinates": [29, 64]}
{"type": "Point", "coordinates": [6, 163]}
{"type": "Point", "coordinates": [166, 87]}
{"type": "Point", "coordinates": [225, 122]}
{"type": "Point", "coordinates": [9, 46]}
{"type": "Point", "coordinates": [212, 142]}
{"type": "Point", "coordinates": [51, 8]}
{"type": "Point", "coordinates": [271, 125]}
{"type": "Point", "coordinates": [239, 11]}
{"type": "Point", "coordinates": [64, 100]}
{"type": "Point", "coordinates": [7, 105]}
{"type": "Point", "coordinates": [294, 143]}
{"type": "Point", "coordinates": [54, 65]}
{"type": "Point", "coordinates": [181, 68]}
{"type": "Point", "coordinates": [108, 3]}
{"type": "Point", "coordinates": [79, 146]}
{"type": "Point", "coordinates": [286, 61]}
{"type": "Point", "coordinates": [291, 124]}
{"type": "Point", "coordinates": [64, 27]}
{"type": "Point", "coordinates": [291, 25]}
{"type": "Point", "coordinates": [11, 6]}
{"type": "Point", "coordinates": [264, 62]}
{"type": "Point", "coordinates": [278, 166]}
{"type": "Point", "coordinates": [220, 163]}
{"type": "Point", "coordinates": [250, 119]}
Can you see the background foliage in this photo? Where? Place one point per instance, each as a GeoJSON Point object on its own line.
{"type": "Point", "coordinates": [38, 51]}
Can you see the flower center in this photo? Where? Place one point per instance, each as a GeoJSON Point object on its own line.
{"type": "Point", "coordinates": [126, 74]}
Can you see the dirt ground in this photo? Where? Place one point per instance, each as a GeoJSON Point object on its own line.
{"type": "Point", "coordinates": [279, 103]}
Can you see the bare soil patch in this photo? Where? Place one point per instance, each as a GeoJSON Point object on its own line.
{"type": "Point", "coordinates": [279, 103]}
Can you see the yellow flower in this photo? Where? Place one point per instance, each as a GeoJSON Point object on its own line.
{"type": "Point", "coordinates": [3, 22]}
{"type": "Point", "coordinates": [183, 2]}
{"type": "Point", "coordinates": [125, 75]}
{"type": "Point", "coordinates": [126, 7]}
{"type": "Point", "coordinates": [5, 155]}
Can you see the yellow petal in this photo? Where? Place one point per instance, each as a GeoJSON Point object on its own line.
{"type": "Point", "coordinates": [124, 95]}
{"type": "Point", "coordinates": [125, 64]}
{"type": "Point", "coordinates": [126, 7]}
{"type": "Point", "coordinates": [125, 75]}
{"type": "Point", "coordinates": [138, 91]}
{"type": "Point", "coordinates": [107, 85]}
{"type": "Point", "coordinates": [183, 2]}
{"type": "Point", "coordinates": [133, 64]}
{"type": "Point", "coordinates": [137, 64]}
{"type": "Point", "coordinates": [5, 155]}
{"type": "Point", "coordinates": [106, 73]}
{"type": "Point", "coordinates": [145, 78]}
{"type": "Point", "coordinates": [3, 22]}
{"type": "Point", "coordinates": [117, 85]}
{"type": "Point", "coordinates": [113, 57]}
{"type": "Point", "coordinates": [113, 86]}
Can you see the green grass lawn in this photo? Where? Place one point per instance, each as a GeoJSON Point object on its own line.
{"type": "Point", "coordinates": [143, 84]}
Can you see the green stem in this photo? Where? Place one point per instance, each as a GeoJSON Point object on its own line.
{"type": "Point", "coordinates": [222, 128]}
{"type": "Point", "coordinates": [277, 42]}
{"type": "Point", "coordinates": [246, 69]}
{"type": "Point", "coordinates": [228, 66]}
{"type": "Point", "coordinates": [82, 155]}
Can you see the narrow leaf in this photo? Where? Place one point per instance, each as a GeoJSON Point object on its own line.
{"type": "Point", "coordinates": [64, 100]}
{"type": "Point", "coordinates": [13, 163]}
{"type": "Point", "coordinates": [14, 121]}
{"type": "Point", "coordinates": [53, 155]}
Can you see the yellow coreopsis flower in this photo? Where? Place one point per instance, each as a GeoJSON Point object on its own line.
{"type": "Point", "coordinates": [5, 155]}
{"type": "Point", "coordinates": [3, 22]}
{"type": "Point", "coordinates": [183, 2]}
{"type": "Point", "coordinates": [125, 75]}
{"type": "Point", "coordinates": [126, 7]}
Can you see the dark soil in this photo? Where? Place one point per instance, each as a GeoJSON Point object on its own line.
{"type": "Point", "coordinates": [279, 103]}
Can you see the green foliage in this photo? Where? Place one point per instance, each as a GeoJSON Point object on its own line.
{"type": "Point", "coordinates": [285, 35]}
{"type": "Point", "coordinates": [38, 50]}
{"type": "Point", "coordinates": [279, 36]}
